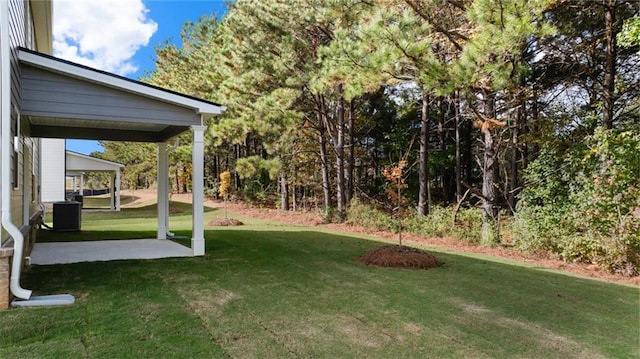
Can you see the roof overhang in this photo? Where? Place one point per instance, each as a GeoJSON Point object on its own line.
{"type": "Point", "coordinates": [78, 162]}
{"type": "Point", "coordinates": [61, 99]}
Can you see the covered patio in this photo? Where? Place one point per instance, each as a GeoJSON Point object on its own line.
{"type": "Point", "coordinates": [76, 166]}
{"type": "Point", "coordinates": [108, 250]}
{"type": "Point", "coordinates": [61, 99]}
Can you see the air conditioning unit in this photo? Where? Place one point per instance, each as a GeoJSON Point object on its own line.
{"type": "Point", "coordinates": [67, 216]}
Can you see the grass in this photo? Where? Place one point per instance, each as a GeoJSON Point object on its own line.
{"type": "Point", "coordinates": [105, 201]}
{"type": "Point", "coordinates": [269, 290]}
{"type": "Point", "coordinates": [139, 222]}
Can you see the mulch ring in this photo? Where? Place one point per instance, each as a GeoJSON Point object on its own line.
{"type": "Point", "coordinates": [399, 257]}
{"type": "Point", "coordinates": [224, 222]}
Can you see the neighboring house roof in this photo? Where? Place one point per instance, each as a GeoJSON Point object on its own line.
{"type": "Point", "coordinates": [61, 99]}
{"type": "Point", "coordinates": [80, 162]}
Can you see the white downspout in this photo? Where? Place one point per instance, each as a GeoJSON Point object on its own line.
{"type": "Point", "coordinates": [5, 117]}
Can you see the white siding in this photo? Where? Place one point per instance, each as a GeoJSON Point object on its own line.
{"type": "Point", "coordinates": [17, 17]}
{"type": "Point", "coordinates": [52, 162]}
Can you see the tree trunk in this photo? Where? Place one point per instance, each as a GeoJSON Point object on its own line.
{"type": "Point", "coordinates": [489, 204]}
{"type": "Point", "coordinates": [424, 195]}
{"type": "Point", "coordinates": [294, 197]}
{"type": "Point", "coordinates": [185, 189]}
{"type": "Point", "coordinates": [339, 150]}
{"type": "Point", "coordinates": [236, 177]}
{"type": "Point", "coordinates": [350, 154]}
{"type": "Point", "coordinates": [489, 207]}
{"type": "Point", "coordinates": [177, 179]}
{"type": "Point", "coordinates": [458, 170]}
{"type": "Point", "coordinates": [216, 171]}
{"type": "Point", "coordinates": [516, 155]}
{"type": "Point", "coordinates": [284, 193]}
{"type": "Point", "coordinates": [610, 65]}
{"type": "Point", "coordinates": [513, 173]}
{"type": "Point", "coordinates": [467, 155]}
{"type": "Point", "coordinates": [324, 164]}
{"type": "Point", "coordinates": [442, 142]}
{"type": "Point", "coordinates": [533, 128]}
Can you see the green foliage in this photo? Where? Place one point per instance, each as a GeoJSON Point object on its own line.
{"type": "Point", "coordinates": [492, 55]}
{"type": "Point", "coordinates": [630, 34]}
{"type": "Point", "coordinates": [259, 191]}
{"type": "Point", "coordinates": [140, 161]}
{"type": "Point", "coordinates": [583, 204]}
{"type": "Point", "coordinates": [252, 166]}
{"type": "Point", "coordinates": [439, 222]}
{"type": "Point", "coordinates": [368, 216]}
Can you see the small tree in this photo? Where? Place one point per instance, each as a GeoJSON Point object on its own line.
{"type": "Point", "coordinates": [225, 184]}
{"type": "Point", "coordinates": [395, 176]}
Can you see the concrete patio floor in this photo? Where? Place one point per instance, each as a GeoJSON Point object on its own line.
{"type": "Point", "coordinates": [94, 251]}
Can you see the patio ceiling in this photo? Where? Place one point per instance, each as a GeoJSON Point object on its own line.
{"type": "Point", "coordinates": [61, 99]}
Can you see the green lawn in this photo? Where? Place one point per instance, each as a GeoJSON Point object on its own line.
{"type": "Point", "coordinates": [105, 201]}
{"type": "Point", "coordinates": [269, 290]}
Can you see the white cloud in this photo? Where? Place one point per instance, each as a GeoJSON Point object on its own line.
{"type": "Point", "coordinates": [104, 34]}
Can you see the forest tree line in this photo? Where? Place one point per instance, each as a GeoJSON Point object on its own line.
{"type": "Point", "coordinates": [526, 110]}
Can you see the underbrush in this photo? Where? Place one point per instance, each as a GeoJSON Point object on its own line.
{"type": "Point", "coordinates": [439, 222]}
{"type": "Point", "coordinates": [584, 203]}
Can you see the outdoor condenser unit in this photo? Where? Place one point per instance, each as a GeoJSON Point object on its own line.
{"type": "Point", "coordinates": [67, 216]}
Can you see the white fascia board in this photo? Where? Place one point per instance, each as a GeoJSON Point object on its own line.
{"type": "Point", "coordinates": [114, 81]}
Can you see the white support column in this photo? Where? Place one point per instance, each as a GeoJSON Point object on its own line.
{"type": "Point", "coordinates": [163, 190]}
{"type": "Point", "coordinates": [81, 191]}
{"type": "Point", "coordinates": [118, 180]}
{"type": "Point", "coordinates": [112, 198]}
{"type": "Point", "coordinates": [197, 188]}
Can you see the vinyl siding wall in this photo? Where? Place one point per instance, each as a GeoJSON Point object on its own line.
{"type": "Point", "coordinates": [24, 192]}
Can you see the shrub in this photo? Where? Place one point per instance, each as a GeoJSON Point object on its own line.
{"type": "Point", "coordinates": [439, 223]}
{"type": "Point", "coordinates": [368, 216]}
{"type": "Point", "coordinates": [583, 204]}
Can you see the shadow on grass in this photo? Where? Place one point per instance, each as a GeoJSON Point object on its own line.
{"type": "Point", "coordinates": [47, 236]}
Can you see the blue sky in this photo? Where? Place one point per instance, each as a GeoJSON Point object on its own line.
{"type": "Point", "coordinates": [119, 36]}
{"type": "Point", "coordinates": [170, 15]}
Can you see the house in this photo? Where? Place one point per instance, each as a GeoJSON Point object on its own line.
{"type": "Point", "coordinates": [43, 97]}
{"type": "Point", "coordinates": [75, 165]}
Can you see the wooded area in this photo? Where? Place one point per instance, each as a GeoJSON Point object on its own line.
{"type": "Point", "coordinates": [527, 110]}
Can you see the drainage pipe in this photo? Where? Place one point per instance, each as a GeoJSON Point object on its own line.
{"type": "Point", "coordinates": [5, 132]}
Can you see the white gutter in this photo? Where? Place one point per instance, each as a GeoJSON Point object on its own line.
{"type": "Point", "coordinates": [5, 132]}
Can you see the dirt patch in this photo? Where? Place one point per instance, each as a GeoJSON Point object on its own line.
{"type": "Point", "coordinates": [224, 222]}
{"type": "Point", "coordinates": [400, 257]}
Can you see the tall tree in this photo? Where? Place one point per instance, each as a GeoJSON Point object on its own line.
{"type": "Point", "coordinates": [389, 46]}
{"type": "Point", "coordinates": [582, 69]}
{"type": "Point", "coordinates": [490, 63]}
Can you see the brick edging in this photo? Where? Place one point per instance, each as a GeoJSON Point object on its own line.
{"type": "Point", "coordinates": [6, 254]}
